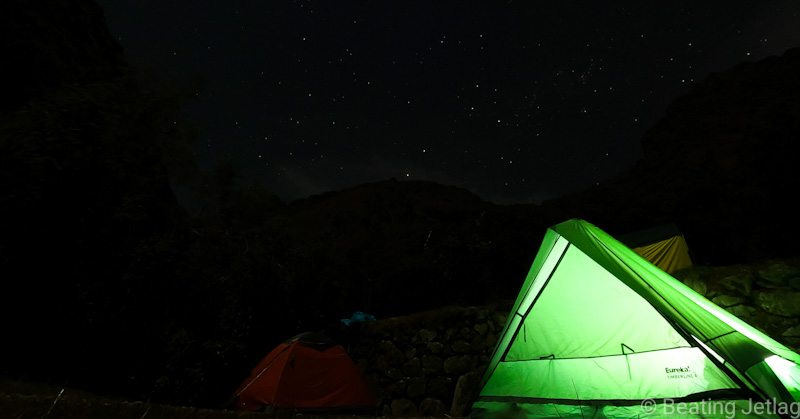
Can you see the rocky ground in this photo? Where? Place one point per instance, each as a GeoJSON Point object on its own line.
{"type": "Point", "coordinates": [23, 400]}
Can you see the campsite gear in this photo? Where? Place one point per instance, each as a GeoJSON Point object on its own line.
{"type": "Point", "coordinates": [307, 372]}
{"type": "Point", "coordinates": [597, 331]}
{"type": "Point", "coordinates": [663, 246]}
{"type": "Point", "coordinates": [358, 317]}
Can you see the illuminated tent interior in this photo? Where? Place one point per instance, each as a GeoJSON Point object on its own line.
{"type": "Point", "coordinates": [596, 330]}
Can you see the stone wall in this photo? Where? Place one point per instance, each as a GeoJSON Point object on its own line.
{"type": "Point", "coordinates": [430, 363]}
{"type": "Point", "coordinates": [765, 295]}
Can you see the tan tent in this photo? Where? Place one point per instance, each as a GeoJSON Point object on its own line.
{"type": "Point", "coordinates": [663, 246]}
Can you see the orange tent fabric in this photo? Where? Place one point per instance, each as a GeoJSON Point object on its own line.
{"type": "Point", "coordinates": [299, 375]}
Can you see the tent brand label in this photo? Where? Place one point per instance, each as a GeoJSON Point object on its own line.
{"type": "Point", "coordinates": [680, 373]}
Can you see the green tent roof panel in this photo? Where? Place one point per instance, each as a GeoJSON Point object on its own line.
{"type": "Point", "coordinates": [598, 331]}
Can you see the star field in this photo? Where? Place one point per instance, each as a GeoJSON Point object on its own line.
{"type": "Point", "coordinates": [516, 101]}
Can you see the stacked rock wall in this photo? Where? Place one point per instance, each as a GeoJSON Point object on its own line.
{"type": "Point", "coordinates": [430, 363]}
{"type": "Point", "coordinates": [765, 295]}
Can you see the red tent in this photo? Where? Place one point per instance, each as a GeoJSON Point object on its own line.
{"type": "Point", "coordinates": [305, 372]}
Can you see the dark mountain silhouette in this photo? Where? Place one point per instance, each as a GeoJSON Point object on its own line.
{"type": "Point", "coordinates": [50, 44]}
{"type": "Point", "coordinates": [722, 164]}
{"type": "Point", "coordinates": [392, 237]}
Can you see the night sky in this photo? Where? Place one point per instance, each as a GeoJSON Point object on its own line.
{"type": "Point", "coordinates": [517, 101]}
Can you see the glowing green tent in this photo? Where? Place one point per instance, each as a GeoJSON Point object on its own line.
{"type": "Point", "coordinates": [597, 331]}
